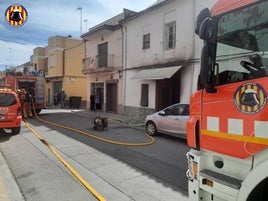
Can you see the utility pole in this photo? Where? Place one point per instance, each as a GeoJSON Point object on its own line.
{"type": "Point", "coordinates": [80, 8]}
{"type": "Point", "coordinates": [10, 57]}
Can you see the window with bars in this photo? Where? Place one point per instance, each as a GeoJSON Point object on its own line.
{"type": "Point", "coordinates": [171, 35]}
{"type": "Point", "coordinates": [146, 41]}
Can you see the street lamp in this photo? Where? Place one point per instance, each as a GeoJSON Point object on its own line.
{"type": "Point", "coordinates": [86, 24]}
{"type": "Point", "coordinates": [80, 8]}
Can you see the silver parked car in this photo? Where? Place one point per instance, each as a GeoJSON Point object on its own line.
{"type": "Point", "coordinates": [171, 120]}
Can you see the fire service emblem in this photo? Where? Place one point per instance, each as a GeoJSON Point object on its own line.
{"type": "Point", "coordinates": [250, 98]}
{"type": "Point", "coordinates": [16, 15]}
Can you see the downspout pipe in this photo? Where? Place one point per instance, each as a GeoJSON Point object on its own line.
{"type": "Point", "coordinates": [63, 63]}
{"type": "Point", "coordinates": [124, 51]}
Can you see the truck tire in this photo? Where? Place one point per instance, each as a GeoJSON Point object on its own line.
{"type": "Point", "coordinates": [15, 130]}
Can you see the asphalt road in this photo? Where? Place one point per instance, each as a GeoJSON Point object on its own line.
{"type": "Point", "coordinates": [154, 172]}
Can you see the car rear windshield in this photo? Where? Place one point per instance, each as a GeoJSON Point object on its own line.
{"type": "Point", "coordinates": [7, 100]}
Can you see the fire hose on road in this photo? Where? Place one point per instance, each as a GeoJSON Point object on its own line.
{"type": "Point", "coordinates": [66, 164]}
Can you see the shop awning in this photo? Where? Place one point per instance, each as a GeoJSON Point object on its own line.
{"type": "Point", "coordinates": [156, 73]}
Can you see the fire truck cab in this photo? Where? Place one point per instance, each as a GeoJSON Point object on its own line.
{"type": "Point", "coordinates": [228, 125]}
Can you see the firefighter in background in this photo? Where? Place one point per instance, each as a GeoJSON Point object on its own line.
{"type": "Point", "coordinates": [26, 104]}
{"type": "Point", "coordinates": [18, 91]}
{"type": "Point", "coordinates": [32, 94]}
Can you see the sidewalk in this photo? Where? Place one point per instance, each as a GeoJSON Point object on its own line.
{"type": "Point", "coordinates": [125, 182]}
{"type": "Point", "coordinates": [9, 190]}
{"type": "Point", "coordinates": [112, 178]}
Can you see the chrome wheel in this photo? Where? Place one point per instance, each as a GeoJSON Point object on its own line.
{"type": "Point", "coordinates": [151, 128]}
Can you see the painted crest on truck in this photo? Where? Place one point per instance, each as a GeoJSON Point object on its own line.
{"type": "Point", "coordinates": [250, 98]}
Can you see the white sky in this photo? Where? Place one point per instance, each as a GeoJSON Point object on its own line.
{"type": "Point", "coordinates": [48, 18]}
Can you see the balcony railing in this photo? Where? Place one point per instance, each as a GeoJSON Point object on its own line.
{"type": "Point", "coordinates": [98, 63]}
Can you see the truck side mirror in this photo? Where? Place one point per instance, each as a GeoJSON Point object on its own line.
{"type": "Point", "coordinates": [206, 29]}
{"type": "Point", "coordinates": [200, 18]}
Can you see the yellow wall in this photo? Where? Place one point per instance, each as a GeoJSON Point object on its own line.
{"type": "Point", "coordinates": [65, 64]}
{"type": "Point", "coordinates": [74, 81]}
{"type": "Point", "coordinates": [55, 62]}
{"type": "Point", "coordinates": [74, 60]}
{"type": "Point", "coordinates": [39, 58]}
{"type": "Point", "coordinates": [75, 86]}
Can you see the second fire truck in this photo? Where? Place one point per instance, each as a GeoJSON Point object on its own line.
{"type": "Point", "coordinates": [33, 83]}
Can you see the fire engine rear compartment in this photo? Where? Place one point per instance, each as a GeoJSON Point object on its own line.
{"type": "Point", "coordinates": [34, 85]}
{"type": "Point", "coordinates": [26, 84]}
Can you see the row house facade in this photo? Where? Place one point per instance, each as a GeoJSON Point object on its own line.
{"type": "Point", "coordinates": [61, 63]}
{"type": "Point", "coordinates": [161, 64]}
{"type": "Point", "coordinates": [103, 64]}
{"type": "Point", "coordinates": [142, 62]}
{"type": "Point", "coordinates": [39, 60]}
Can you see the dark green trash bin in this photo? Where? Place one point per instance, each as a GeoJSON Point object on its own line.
{"type": "Point", "coordinates": [75, 101]}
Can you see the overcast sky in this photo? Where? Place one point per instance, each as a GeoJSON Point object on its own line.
{"type": "Point", "coordinates": [48, 18]}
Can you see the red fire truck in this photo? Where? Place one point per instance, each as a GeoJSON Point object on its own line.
{"type": "Point", "coordinates": [228, 125]}
{"type": "Point", "coordinates": [33, 83]}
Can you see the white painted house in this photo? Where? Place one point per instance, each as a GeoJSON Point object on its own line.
{"type": "Point", "coordinates": [140, 62]}
{"type": "Point", "coordinates": [161, 56]}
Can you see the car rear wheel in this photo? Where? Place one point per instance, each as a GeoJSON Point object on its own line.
{"type": "Point", "coordinates": [15, 130]}
{"type": "Point", "coordinates": [151, 128]}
